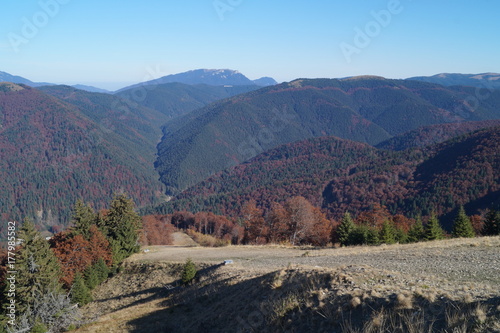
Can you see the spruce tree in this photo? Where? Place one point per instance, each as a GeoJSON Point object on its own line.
{"type": "Point", "coordinates": [80, 293]}
{"type": "Point", "coordinates": [433, 229]}
{"type": "Point", "coordinates": [122, 225]}
{"type": "Point", "coordinates": [462, 227]}
{"type": "Point", "coordinates": [83, 218]}
{"type": "Point", "coordinates": [91, 277]}
{"type": "Point", "coordinates": [37, 266]}
{"type": "Point", "coordinates": [387, 233]}
{"type": "Point", "coordinates": [102, 270]}
{"type": "Point", "coordinates": [188, 272]}
{"type": "Point", "coordinates": [491, 225]}
{"type": "Point", "coordinates": [345, 229]}
{"type": "Point", "coordinates": [416, 232]}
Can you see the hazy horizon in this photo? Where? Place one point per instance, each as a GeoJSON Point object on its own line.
{"type": "Point", "coordinates": [111, 45]}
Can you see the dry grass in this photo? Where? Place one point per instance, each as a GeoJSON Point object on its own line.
{"type": "Point", "coordinates": [276, 289]}
{"type": "Point", "coordinates": [207, 240]}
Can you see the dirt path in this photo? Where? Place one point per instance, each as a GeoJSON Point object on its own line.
{"type": "Point", "coordinates": [181, 239]}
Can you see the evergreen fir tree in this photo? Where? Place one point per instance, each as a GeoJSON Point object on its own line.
{"type": "Point", "coordinates": [122, 225]}
{"type": "Point", "coordinates": [433, 230]}
{"type": "Point", "coordinates": [387, 233]}
{"type": "Point", "coordinates": [83, 218]}
{"type": "Point", "coordinates": [188, 272]}
{"type": "Point", "coordinates": [462, 227]}
{"type": "Point", "coordinates": [345, 229]}
{"type": "Point", "coordinates": [416, 232]}
{"type": "Point", "coordinates": [372, 237]}
{"type": "Point", "coordinates": [102, 270]}
{"type": "Point", "coordinates": [91, 277]}
{"type": "Point", "coordinates": [80, 293]}
{"type": "Point", "coordinates": [491, 225]}
{"type": "Point", "coordinates": [37, 266]}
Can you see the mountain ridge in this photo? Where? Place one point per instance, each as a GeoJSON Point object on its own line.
{"type": "Point", "coordinates": [368, 110]}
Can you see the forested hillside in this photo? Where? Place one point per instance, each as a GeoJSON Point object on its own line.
{"type": "Point", "coordinates": [365, 109]}
{"type": "Point", "coordinates": [428, 135]}
{"type": "Point", "coordinates": [53, 153]}
{"type": "Point", "coordinates": [176, 99]}
{"type": "Point", "coordinates": [342, 176]}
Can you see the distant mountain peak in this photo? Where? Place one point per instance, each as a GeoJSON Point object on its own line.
{"type": "Point", "coordinates": [211, 77]}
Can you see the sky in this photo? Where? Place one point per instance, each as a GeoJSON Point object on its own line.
{"type": "Point", "coordinates": [114, 43]}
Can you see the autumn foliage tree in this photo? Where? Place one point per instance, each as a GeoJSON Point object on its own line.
{"type": "Point", "coordinates": [256, 229]}
{"type": "Point", "coordinates": [157, 230]}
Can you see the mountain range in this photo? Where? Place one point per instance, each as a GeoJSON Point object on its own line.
{"type": "Point", "coordinates": [364, 109]}
{"type": "Point", "coordinates": [342, 143]}
{"type": "Point", "coordinates": [487, 81]}
{"type": "Point", "coordinates": [342, 175]}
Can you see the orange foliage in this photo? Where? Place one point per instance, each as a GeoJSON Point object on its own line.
{"type": "Point", "coordinates": [157, 230]}
{"type": "Point", "coordinates": [75, 253]}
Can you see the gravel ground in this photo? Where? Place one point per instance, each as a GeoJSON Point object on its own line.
{"type": "Point", "coordinates": [468, 265]}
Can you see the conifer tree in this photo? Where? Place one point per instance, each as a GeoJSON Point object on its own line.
{"type": "Point", "coordinates": [91, 277]}
{"type": "Point", "coordinates": [80, 293]}
{"type": "Point", "coordinates": [491, 225]}
{"type": "Point", "coordinates": [387, 233]}
{"type": "Point", "coordinates": [102, 270]}
{"type": "Point", "coordinates": [37, 266]}
{"type": "Point", "coordinates": [433, 229]}
{"type": "Point", "coordinates": [345, 229]}
{"type": "Point", "coordinates": [416, 232]}
{"type": "Point", "coordinates": [122, 225]}
{"type": "Point", "coordinates": [83, 218]}
{"type": "Point", "coordinates": [462, 227]}
{"type": "Point", "coordinates": [188, 272]}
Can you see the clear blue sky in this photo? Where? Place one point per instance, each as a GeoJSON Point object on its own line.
{"type": "Point", "coordinates": [111, 43]}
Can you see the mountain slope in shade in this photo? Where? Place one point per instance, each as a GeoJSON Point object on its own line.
{"type": "Point", "coordinates": [365, 109]}
{"type": "Point", "coordinates": [461, 171]}
{"type": "Point", "coordinates": [484, 80]}
{"type": "Point", "coordinates": [52, 154]}
{"type": "Point", "coordinates": [428, 135]}
{"type": "Point", "coordinates": [212, 77]}
{"type": "Point", "coordinates": [176, 99]}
